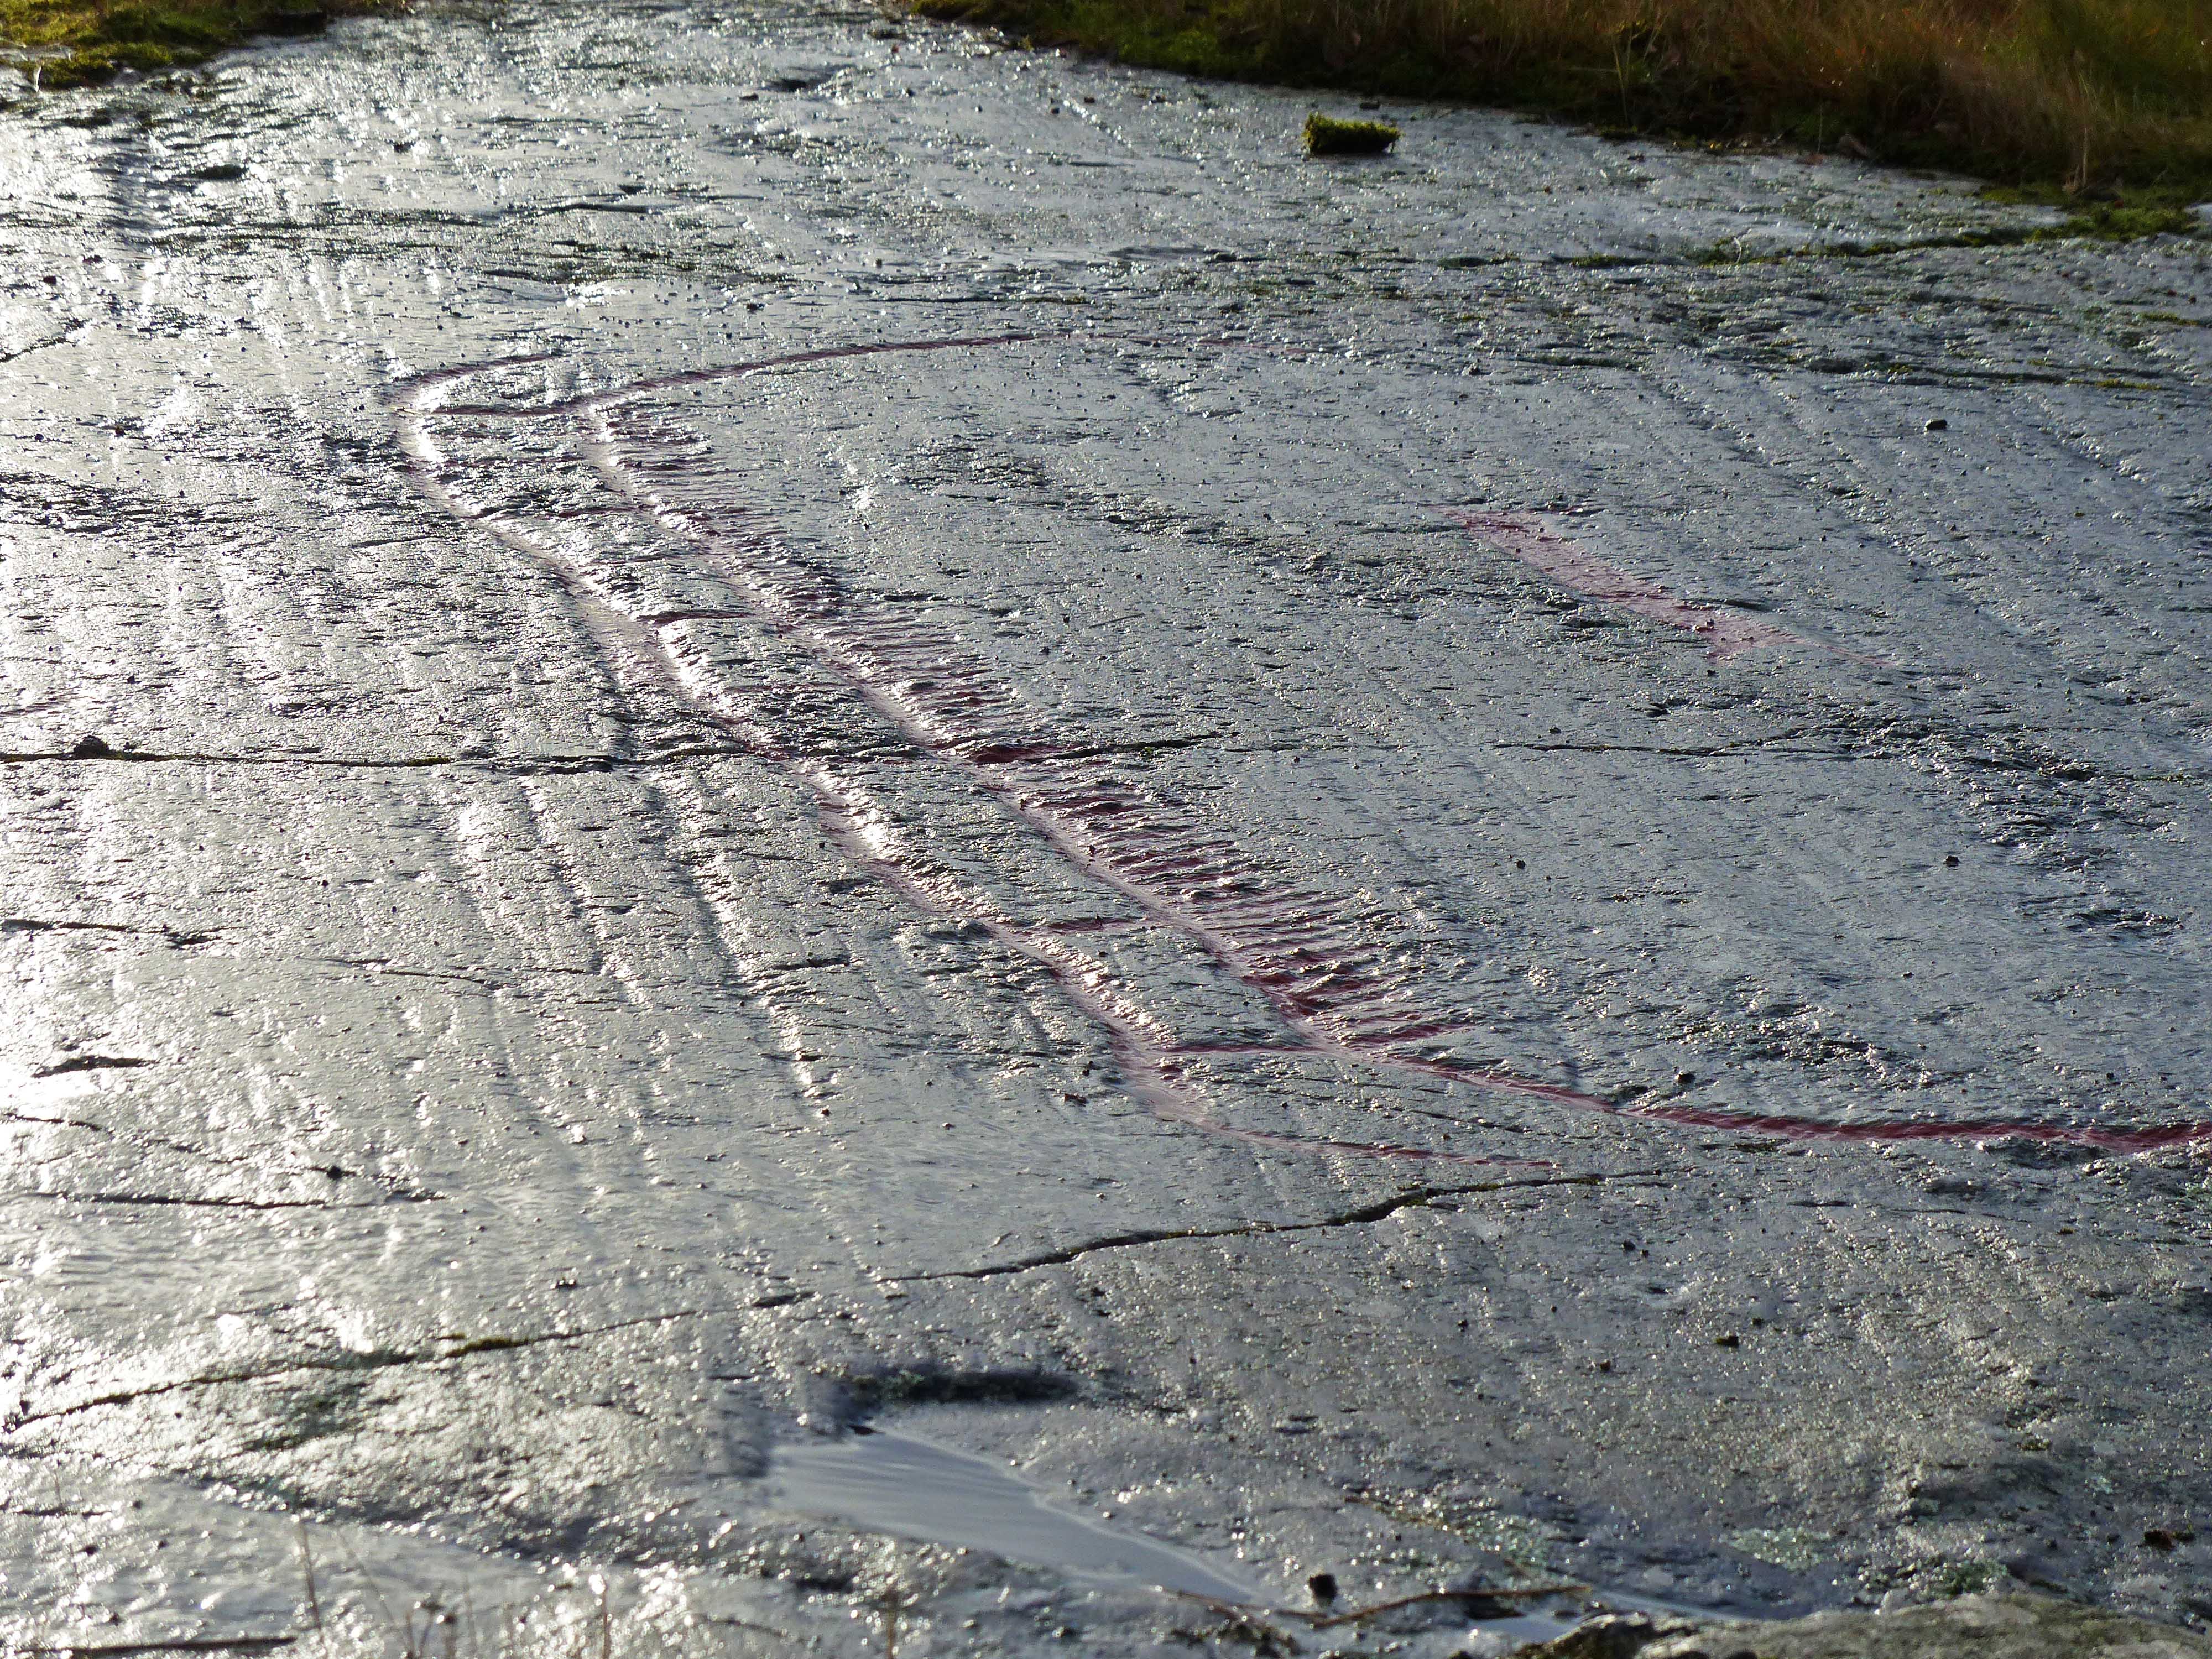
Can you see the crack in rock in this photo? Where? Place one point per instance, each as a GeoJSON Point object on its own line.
{"type": "Point", "coordinates": [56, 1122]}
{"type": "Point", "coordinates": [94, 749]}
{"type": "Point", "coordinates": [448, 1347]}
{"type": "Point", "coordinates": [51, 341]}
{"type": "Point", "coordinates": [1365, 1215]}
{"type": "Point", "coordinates": [97, 749]}
{"type": "Point", "coordinates": [179, 1201]}
{"type": "Point", "coordinates": [92, 1063]}
{"type": "Point", "coordinates": [177, 1644]}
{"type": "Point", "coordinates": [41, 925]}
{"type": "Point", "coordinates": [1714, 751]}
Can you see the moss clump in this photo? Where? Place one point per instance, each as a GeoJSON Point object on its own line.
{"type": "Point", "coordinates": [2116, 223]}
{"type": "Point", "coordinates": [74, 43]}
{"type": "Point", "coordinates": [1326, 136]}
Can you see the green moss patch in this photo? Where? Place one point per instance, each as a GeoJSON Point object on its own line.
{"type": "Point", "coordinates": [71, 43]}
{"type": "Point", "coordinates": [1327, 137]}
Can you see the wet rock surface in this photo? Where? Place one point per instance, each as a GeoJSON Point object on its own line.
{"type": "Point", "coordinates": [1473, 872]}
{"type": "Point", "coordinates": [1972, 1627]}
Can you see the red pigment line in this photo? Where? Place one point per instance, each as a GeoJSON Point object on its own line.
{"type": "Point", "coordinates": [930, 692]}
{"type": "Point", "coordinates": [1725, 633]}
{"type": "Point", "coordinates": [1880, 1130]}
{"type": "Point", "coordinates": [1115, 842]}
{"type": "Point", "coordinates": [807, 603]}
{"type": "Point", "coordinates": [1896, 1129]}
{"type": "Point", "coordinates": [1148, 1066]}
{"type": "Point", "coordinates": [1129, 842]}
{"type": "Point", "coordinates": [843, 811]}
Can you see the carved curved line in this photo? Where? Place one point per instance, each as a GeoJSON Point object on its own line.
{"type": "Point", "coordinates": [1069, 817]}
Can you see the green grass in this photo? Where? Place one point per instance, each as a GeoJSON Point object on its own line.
{"type": "Point", "coordinates": [2102, 223]}
{"type": "Point", "coordinates": [2101, 98]}
{"type": "Point", "coordinates": [68, 43]}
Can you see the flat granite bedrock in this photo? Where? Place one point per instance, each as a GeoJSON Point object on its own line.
{"type": "Point", "coordinates": [1301, 880]}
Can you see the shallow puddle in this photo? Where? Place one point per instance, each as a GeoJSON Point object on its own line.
{"type": "Point", "coordinates": [914, 1488]}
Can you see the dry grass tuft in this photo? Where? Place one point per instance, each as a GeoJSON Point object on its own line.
{"type": "Point", "coordinates": [2086, 97]}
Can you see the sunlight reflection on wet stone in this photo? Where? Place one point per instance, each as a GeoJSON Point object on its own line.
{"type": "Point", "coordinates": [713, 720]}
{"type": "Point", "coordinates": [882, 1480]}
